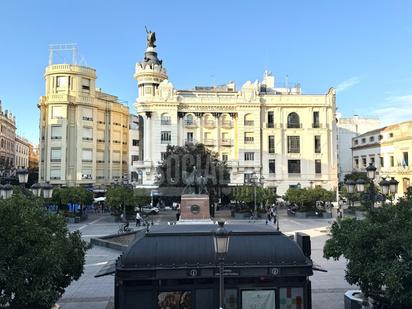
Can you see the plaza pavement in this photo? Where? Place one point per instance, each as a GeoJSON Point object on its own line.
{"type": "Point", "coordinates": [97, 293]}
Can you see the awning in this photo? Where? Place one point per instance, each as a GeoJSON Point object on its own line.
{"type": "Point", "coordinates": [100, 199]}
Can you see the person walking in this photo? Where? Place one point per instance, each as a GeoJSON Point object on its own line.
{"type": "Point", "coordinates": [138, 219]}
{"type": "Point", "coordinates": [274, 214]}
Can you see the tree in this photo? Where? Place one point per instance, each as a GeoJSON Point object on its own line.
{"type": "Point", "coordinates": [74, 195]}
{"type": "Point", "coordinates": [181, 161]}
{"type": "Point", "coordinates": [245, 194]}
{"type": "Point", "coordinates": [379, 252]}
{"type": "Point", "coordinates": [123, 198]}
{"type": "Point", "coordinates": [39, 257]}
{"type": "Point", "coordinates": [306, 198]}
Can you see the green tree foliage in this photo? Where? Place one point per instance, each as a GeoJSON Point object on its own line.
{"type": "Point", "coordinates": [245, 194]}
{"type": "Point", "coordinates": [76, 195]}
{"type": "Point", "coordinates": [118, 197]}
{"type": "Point", "coordinates": [181, 161]}
{"type": "Point", "coordinates": [379, 252]}
{"type": "Point", "coordinates": [39, 257]}
{"type": "Point", "coordinates": [306, 198]}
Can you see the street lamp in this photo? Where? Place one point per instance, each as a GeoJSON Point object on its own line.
{"type": "Point", "coordinates": [389, 187]}
{"type": "Point", "coordinates": [221, 242]}
{"type": "Point", "coordinates": [255, 180]}
{"type": "Point", "coordinates": [7, 191]}
{"type": "Point", "coordinates": [23, 176]}
{"type": "Point", "coordinates": [47, 190]}
{"type": "Point", "coordinates": [36, 189]}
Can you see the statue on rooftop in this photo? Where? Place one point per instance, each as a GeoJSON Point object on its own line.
{"type": "Point", "coordinates": [151, 38]}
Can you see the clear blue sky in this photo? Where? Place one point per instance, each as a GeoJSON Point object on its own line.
{"type": "Point", "coordinates": [363, 48]}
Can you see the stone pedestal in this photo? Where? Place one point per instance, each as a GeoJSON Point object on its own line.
{"type": "Point", "coordinates": [194, 207]}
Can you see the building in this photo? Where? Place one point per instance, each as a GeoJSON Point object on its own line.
{"type": "Point", "coordinates": [7, 138]}
{"type": "Point", "coordinates": [279, 133]}
{"type": "Point", "coordinates": [134, 149]}
{"type": "Point", "coordinates": [388, 149]}
{"type": "Point", "coordinates": [34, 157]}
{"type": "Point", "coordinates": [22, 152]}
{"type": "Point", "coordinates": [84, 132]}
{"type": "Point", "coordinates": [347, 129]}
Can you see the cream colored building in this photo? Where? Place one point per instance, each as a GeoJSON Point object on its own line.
{"type": "Point", "coordinates": [279, 133]}
{"type": "Point", "coordinates": [84, 132]}
{"type": "Point", "coordinates": [347, 129]}
{"type": "Point", "coordinates": [22, 152]}
{"type": "Point", "coordinates": [7, 138]}
{"type": "Point", "coordinates": [388, 148]}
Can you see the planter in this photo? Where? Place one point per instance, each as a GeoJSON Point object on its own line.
{"type": "Point", "coordinates": [353, 299]}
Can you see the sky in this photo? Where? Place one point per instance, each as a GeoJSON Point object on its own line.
{"type": "Point", "coordinates": [362, 48]}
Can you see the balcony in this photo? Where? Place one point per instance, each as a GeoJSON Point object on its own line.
{"type": "Point", "coordinates": [210, 124]}
{"type": "Point", "coordinates": [209, 142]}
{"type": "Point", "coordinates": [226, 142]}
{"type": "Point", "coordinates": [165, 122]}
{"type": "Point", "coordinates": [249, 140]}
{"type": "Point", "coordinates": [190, 124]}
{"type": "Point", "coordinates": [227, 124]}
{"type": "Point", "coordinates": [294, 126]}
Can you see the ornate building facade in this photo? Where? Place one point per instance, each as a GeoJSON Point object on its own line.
{"type": "Point", "coordinates": [84, 132]}
{"type": "Point", "coordinates": [7, 138]}
{"type": "Point", "coordinates": [285, 136]}
{"type": "Point", "coordinates": [388, 148]}
{"type": "Point", "coordinates": [22, 152]}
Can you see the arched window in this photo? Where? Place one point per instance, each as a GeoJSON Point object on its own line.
{"type": "Point", "coordinates": [293, 120]}
{"type": "Point", "coordinates": [249, 120]}
{"type": "Point", "coordinates": [165, 119]}
{"type": "Point", "coordinates": [189, 119]}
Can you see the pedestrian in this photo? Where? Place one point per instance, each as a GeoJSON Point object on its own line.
{"type": "Point", "coordinates": [274, 214]}
{"type": "Point", "coordinates": [178, 215]}
{"type": "Point", "coordinates": [268, 215]}
{"type": "Point", "coordinates": [138, 219]}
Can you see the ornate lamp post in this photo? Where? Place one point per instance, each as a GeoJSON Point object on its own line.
{"type": "Point", "coordinates": [23, 176]}
{"type": "Point", "coordinates": [221, 242]}
{"type": "Point", "coordinates": [387, 187]}
{"type": "Point", "coordinates": [36, 189]}
{"type": "Point", "coordinates": [47, 190]}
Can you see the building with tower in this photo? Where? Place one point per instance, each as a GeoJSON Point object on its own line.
{"type": "Point", "coordinates": [279, 133]}
{"type": "Point", "coordinates": [84, 132]}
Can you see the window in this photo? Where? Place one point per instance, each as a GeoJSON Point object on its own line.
{"type": "Point", "coordinates": [189, 137]}
{"type": "Point", "coordinates": [56, 132]}
{"type": "Point", "coordinates": [249, 122]}
{"type": "Point", "coordinates": [249, 156]}
{"type": "Point", "coordinates": [316, 123]}
{"type": "Point", "coordinates": [317, 144]}
{"type": "Point", "coordinates": [87, 134]}
{"type": "Point", "coordinates": [380, 136]}
{"type": "Point", "coordinates": [294, 166]}
{"type": "Point", "coordinates": [381, 162]}
{"type": "Point", "coordinates": [55, 155]}
{"type": "Point", "coordinates": [392, 159]}
{"type": "Point", "coordinates": [86, 174]}
{"type": "Point", "coordinates": [371, 139]}
{"type": "Point", "coordinates": [57, 112]}
{"type": "Point", "coordinates": [134, 158]}
{"type": "Point", "coordinates": [318, 167]}
{"type": "Point", "coordinates": [390, 134]}
{"type": "Point", "coordinates": [225, 157]}
{"type": "Point", "coordinates": [249, 137]}
{"type": "Point", "coordinates": [99, 156]}
{"type": "Point", "coordinates": [364, 161]}
{"type": "Point", "coordinates": [55, 174]}
{"type": "Point", "coordinates": [271, 143]}
{"type": "Point", "coordinates": [356, 163]}
{"type": "Point", "coordinates": [355, 142]}
{"type": "Point", "coordinates": [363, 140]}
{"type": "Point", "coordinates": [87, 114]}
{"type": "Point", "coordinates": [270, 120]}
{"type": "Point", "coordinates": [372, 160]}
{"type": "Point", "coordinates": [135, 142]}
{"type": "Point", "coordinates": [293, 144]}
{"type": "Point", "coordinates": [61, 82]}
{"type": "Point", "coordinates": [163, 155]}
{"type": "Point", "coordinates": [87, 155]}
{"type": "Point", "coordinates": [272, 167]}
{"type": "Point", "coordinates": [165, 137]}
{"type": "Point", "coordinates": [165, 119]}
{"type": "Point", "coordinates": [116, 157]}
{"type": "Point", "coordinates": [189, 119]}
{"type": "Point", "coordinates": [293, 120]}
{"type": "Point", "coordinates": [85, 84]}
{"type": "Point", "coordinates": [405, 161]}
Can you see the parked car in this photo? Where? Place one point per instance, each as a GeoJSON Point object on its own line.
{"type": "Point", "coordinates": [148, 210]}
